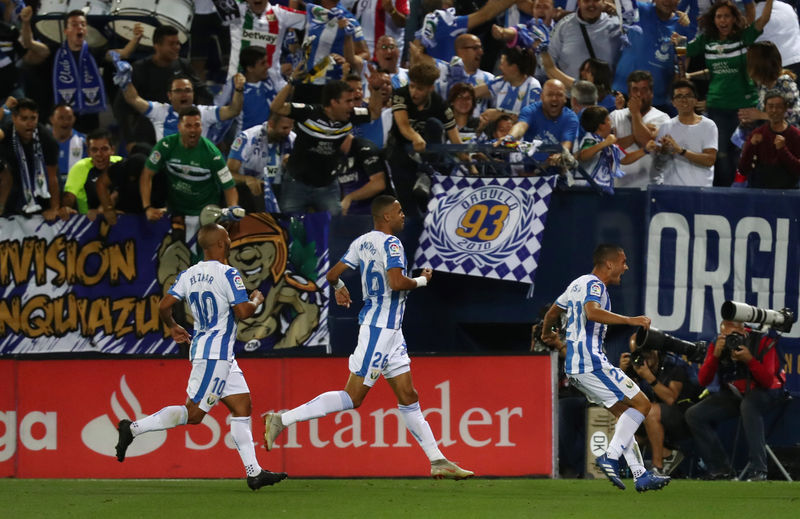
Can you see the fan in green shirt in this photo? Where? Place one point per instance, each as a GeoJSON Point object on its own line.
{"type": "Point", "coordinates": [195, 170]}
{"type": "Point", "coordinates": [724, 40]}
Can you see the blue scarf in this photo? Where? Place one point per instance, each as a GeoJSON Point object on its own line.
{"type": "Point", "coordinates": [78, 84]}
{"type": "Point", "coordinates": [607, 168]}
{"type": "Point", "coordinates": [34, 183]}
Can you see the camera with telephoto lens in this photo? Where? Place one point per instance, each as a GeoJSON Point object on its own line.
{"type": "Point", "coordinates": [779, 320]}
{"type": "Point", "coordinates": [654, 339]}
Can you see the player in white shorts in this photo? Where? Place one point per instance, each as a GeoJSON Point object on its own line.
{"type": "Point", "coordinates": [217, 297]}
{"type": "Point", "coordinates": [381, 347]}
{"type": "Point", "coordinates": [588, 310]}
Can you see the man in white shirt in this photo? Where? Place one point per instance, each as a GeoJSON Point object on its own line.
{"type": "Point", "coordinates": [569, 49]}
{"type": "Point", "coordinates": [635, 126]}
{"type": "Point", "coordinates": [164, 117]}
{"type": "Point", "coordinates": [687, 143]}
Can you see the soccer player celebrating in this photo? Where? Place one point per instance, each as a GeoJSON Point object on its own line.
{"type": "Point", "coordinates": [588, 309]}
{"type": "Point", "coordinates": [381, 347]}
{"type": "Point", "coordinates": [217, 297]}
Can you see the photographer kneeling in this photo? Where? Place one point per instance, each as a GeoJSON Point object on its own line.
{"type": "Point", "coordinates": [671, 387]}
{"type": "Point", "coordinates": [750, 384]}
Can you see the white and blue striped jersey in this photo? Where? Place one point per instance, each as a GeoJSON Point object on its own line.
{"type": "Point", "coordinates": [262, 159]}
{"type": "Point", "coordinates": [444, 83]}
{"type": "Point", "coordinates": [511, 98]}
{"type": "Point", "coordinates": [211, 288]}
{"type": "Point", "coordinates": [584, 337]}
{"type": "Point", "coordinates": [480, 77]}
{"type": "Point", "coordinates": [70, 151]}
{"type": "Point", "coordinates": [374, 254]}
{"type": "Point", "coordinates": [328, 38]}
{"type": "Point", "coordinates": [165, 119]}
{"type": "Point", "coordinates": [400, 78]}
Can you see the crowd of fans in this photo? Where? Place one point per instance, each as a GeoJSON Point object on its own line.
{"type": "Point", "coordinates": [324, 106]}
{"type": "Point", "coordinates": [289, 108]}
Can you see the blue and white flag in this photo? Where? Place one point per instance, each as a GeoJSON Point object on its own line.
{"type": "Point", "coordinates": [487, 227]}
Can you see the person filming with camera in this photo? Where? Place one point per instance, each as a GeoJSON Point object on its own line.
{"type": "Point", "coordinates": [670, 388]}
{"type": "Point", "coordinates": [751, 382]}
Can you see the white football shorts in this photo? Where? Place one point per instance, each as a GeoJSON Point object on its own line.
{"type": "Point", "coordinates": [605, 386]}
{"type": "Point", "coordinates": [212, 380]}
{"type": "Point", "coordinates": [380, 351]}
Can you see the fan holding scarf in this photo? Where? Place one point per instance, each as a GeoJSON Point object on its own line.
{"type": "Point", "coordinates": [77, 80]}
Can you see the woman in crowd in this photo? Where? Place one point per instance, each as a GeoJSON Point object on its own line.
{"type": "Point", "coordinates": [593, 70]}
{"type": "Point", "coordinates": [725, 36]}
{"type": "Point", "coordinates": [765, 69]}
{"type": "Point", "coordinates": [462, 100]}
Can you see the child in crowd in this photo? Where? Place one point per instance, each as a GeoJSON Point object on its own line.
{"type": "Point", "coordinates": [598, 154]}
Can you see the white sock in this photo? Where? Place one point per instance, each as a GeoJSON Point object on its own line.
{"type": "Point", "coordinates": [626, 427]}
{"type": "Point", "coordinates": [243, 438]}
{"type": "Point", "coordinates": [326, 403]}
{"type": "Point", "coordinates": [634, 458]}
{"type": "Point", "coordinates": [419, 429]}
{"type": "Point", "coordinates": [167, 418]}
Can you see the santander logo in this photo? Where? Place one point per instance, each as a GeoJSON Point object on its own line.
{"type": "Point", "coordinates": [100, 434]}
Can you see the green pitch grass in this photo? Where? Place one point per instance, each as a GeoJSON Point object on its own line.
{"type": "Point", "coordinates": [407, 498]}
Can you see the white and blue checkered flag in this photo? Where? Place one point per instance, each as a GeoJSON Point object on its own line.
{"type": "Point", "coordinates": [487, 227]}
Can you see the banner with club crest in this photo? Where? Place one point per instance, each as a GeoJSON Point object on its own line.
{"type": "Point", "coordinates": [487, 227]}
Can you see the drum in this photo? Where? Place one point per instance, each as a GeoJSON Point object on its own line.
{"type": "Point", "coordinates": [177, 13]}
{"type": "Point", "coordinates": [53, 29]}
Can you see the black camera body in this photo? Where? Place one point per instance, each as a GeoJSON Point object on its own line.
{"type": "Point", "coordinates": [538, 344]}
{"type": "Point", "coordinates": [734, 341]}
{"type": "Point", "coordinates": [637, 357]}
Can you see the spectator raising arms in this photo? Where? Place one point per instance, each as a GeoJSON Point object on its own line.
{"type": "Point", "coordinates": [723, 41]}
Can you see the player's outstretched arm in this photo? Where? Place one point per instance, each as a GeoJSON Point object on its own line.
{"type": "Point", "coordinates": [179, 334]}
{"type": "Point", "coordinates": [594, 313]}
{"type": "Point", "coordinates": [248, 308]}
{"type": "Point", "coordinates": [339, 289]}
{"type": "Point", "coordinates": [399, 281]}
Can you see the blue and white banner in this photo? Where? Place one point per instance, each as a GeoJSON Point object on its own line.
{"type": "Point", "coordinates": [708, 246]}
{"type": "Point", "coordinates": [486, 227]}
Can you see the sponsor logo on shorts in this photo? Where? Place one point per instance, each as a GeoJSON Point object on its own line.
{"type": "Point", "coordinates": [629, 384]}
{"type": "Point", "coordinates": [374, 374]}
{"type": "Point", "coordinates": [211, 400]}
